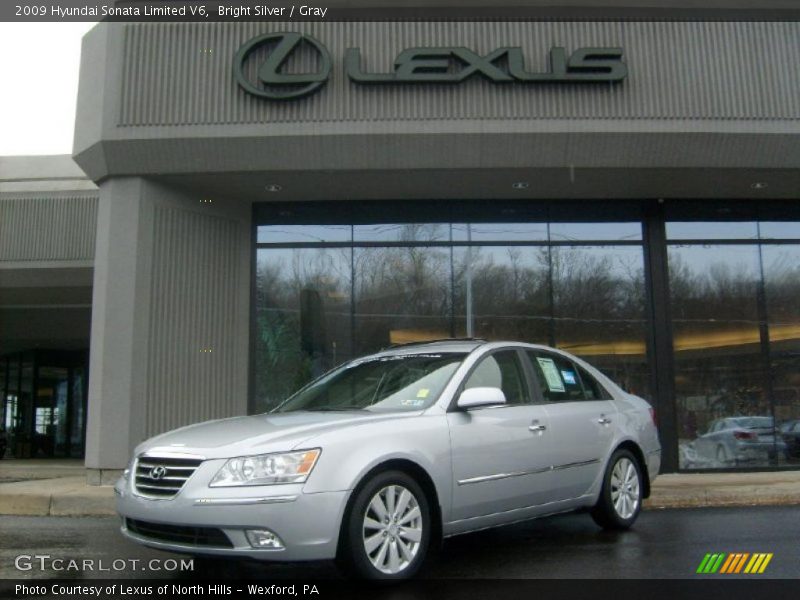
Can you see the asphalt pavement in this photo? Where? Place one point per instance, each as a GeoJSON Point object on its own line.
{"type": "Point", "coordinates": [668, 543]}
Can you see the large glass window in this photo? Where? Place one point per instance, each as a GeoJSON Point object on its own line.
{"type": "Point", "coordinates": [599, 310]}
{"type": "Point", "coordinates": [736, 328]}
{"type": "Point", "coordinates": [326, 293]}
{"type": "Point", "coordinates": [402, 294]}
{"type": "Point", "coordinates": [303, 318]}
{"type": "Point", "coordinates": [782, 291]}
{"type": "Point", "coordinates": [718, 370]}
{"type": "Point", "coordinates": [502, 292]}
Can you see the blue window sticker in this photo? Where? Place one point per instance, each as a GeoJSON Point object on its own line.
{"type": "Point", "coordinates": [569, 377]}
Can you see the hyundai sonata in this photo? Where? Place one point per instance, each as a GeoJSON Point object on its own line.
{"type": "Point", "coordinates": [379, 459]}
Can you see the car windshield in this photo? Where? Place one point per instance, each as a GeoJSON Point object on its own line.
{"type": "Point", "coordinates": [401, 382]}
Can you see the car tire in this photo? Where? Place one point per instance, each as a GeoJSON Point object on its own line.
{"type": "Point", "coordinates": [370, 547]}
{"type": "Point", "coordinates": [620, 498]}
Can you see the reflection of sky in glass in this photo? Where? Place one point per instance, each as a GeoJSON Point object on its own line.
{"type": "Point", "coordinates": [504, 232]}
{"type": "Point", "coordinates": [293, 268]}
{"type": "Point", "coordinates": [780, 229]}
{"type": "Point", "coordinates": [293, 234]}
{"type": "Point", "coordinates": [746, 230]}
{"type": "Point", "coordinates": [402, 232]}
{"type": "Point", "coordinates": [595, 231]}
{"type": "Point", "coordinates": [739, 261]}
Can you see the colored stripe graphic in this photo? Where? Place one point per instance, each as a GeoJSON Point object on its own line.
{"type": "Point", "coordinates": [728, 563]}
{"type": "Point", "coordinates": [724, 563]}
{"type": "Point", "coordinates": [741, 562]}
{"type": "Point", "coordinates": [765, 563]}
{"type": "Point", "coordinates": [711, 563]}
{"type": "Point", "coordinates": [703, 563]}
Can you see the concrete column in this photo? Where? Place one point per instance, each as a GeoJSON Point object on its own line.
{"type": "Point", "coordinates": [119, 327]}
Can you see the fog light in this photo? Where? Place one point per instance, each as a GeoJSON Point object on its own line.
{"type": "Point", "coordinates": [263, 538]}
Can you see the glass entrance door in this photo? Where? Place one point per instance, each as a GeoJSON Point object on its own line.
{"type": "Point", "coordinates": [44, 404]}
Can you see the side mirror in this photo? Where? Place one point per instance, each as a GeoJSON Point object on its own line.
{"type": "Point", "coordinates": [481, 396]}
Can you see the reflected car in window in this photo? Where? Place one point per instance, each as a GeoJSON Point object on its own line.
{"type": "Point", "coordinates": [790, 432]}
{"type": "Point", "coordinates": [734, 440]}
{"type": "Point", "coordinates": [377, 460]}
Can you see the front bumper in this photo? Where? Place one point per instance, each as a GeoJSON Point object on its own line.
{"type": "Point", "coordinates": [308, 524]}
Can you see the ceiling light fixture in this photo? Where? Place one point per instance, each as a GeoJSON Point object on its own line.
{"type": "Point", "coordinates": [273, 187]}
{"type": "Point", "coordinates": [520, 185]}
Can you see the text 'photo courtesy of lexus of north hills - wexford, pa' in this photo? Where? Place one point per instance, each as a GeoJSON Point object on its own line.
{"type": "Point", "coordinates": [377, 460]}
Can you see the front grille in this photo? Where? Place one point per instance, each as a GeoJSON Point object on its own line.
{"type": "Point", "coordinates": [152, 481]}
{"type": "Point", "coordinates": [180, 534]}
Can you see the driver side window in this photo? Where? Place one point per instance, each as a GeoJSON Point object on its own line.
{"type": "Point", "coordinates": [501, 370]}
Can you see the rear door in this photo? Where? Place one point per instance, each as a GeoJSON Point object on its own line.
{"type": "Point", "coordinates": [581, 418]}
{"type": "Point", "coordinates": [501, 454]}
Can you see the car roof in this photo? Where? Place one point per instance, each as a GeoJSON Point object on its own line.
{"type": "Point", "coordinates": [455, 345]}
{"type": "Point", "coordinates": [445, 345]}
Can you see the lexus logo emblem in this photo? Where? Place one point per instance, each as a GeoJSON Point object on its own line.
{"type": "Point", "coordinates": [158, 472]}
{"type": "Point", "coordinates": [277, 84]}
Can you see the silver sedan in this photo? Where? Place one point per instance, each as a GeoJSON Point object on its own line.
{"type": "Point", "coordinates": [377, 460]}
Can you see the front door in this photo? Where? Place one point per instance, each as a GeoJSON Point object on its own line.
{"type": "Point", "coordinates": [501, 455]}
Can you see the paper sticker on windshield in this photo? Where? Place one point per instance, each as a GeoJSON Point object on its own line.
{"type": "Point", "coordinates": [423, 393]}
{"type": "Point", "coordinates": [569, 377]}
{"type": "Point", "coordinates": [551, 374]}
{"type": "Point", "coordinates": [412, 402]}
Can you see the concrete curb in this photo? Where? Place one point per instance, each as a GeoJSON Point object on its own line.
{"type": "Point", "coordinates": [65, 496]}
{"type": "Point", "coordinates": [689, 490]}
{"type": "Point", "coordinates": [71, 496]}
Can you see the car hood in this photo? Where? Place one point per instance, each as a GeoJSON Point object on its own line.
{"type": "Point", "coordinates": [256, 434]}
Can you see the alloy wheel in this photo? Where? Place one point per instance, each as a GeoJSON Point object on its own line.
{"type": "Point", "coordinates": [392, 529]}
{"type": "Point", "coordinates": [625, 492]}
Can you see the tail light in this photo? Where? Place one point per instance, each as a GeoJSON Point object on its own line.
{"type": "Point", "coordinates": [745, 435]}
{"type": "Point", "coordinates": [653, 417]}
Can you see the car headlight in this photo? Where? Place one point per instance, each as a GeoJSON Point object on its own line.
{"type": "Point", "coordinates": [267, 469]}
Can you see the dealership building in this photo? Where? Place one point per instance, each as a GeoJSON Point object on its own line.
{"type": "Point", "coordinates": [250, 204]}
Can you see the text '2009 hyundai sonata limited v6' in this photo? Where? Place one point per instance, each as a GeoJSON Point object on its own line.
{"type": "Point", "coordinates": [378, 459]}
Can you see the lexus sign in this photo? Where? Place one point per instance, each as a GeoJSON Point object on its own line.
{"type": "Point", "coordinates": [442, 65]}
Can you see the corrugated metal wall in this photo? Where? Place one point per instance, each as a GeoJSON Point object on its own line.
{"type": "Point", "coordinates": [181, 74]}
{"type": "Point", "coordinates": [193, 353]}
{"type": "Point", "coordinates": [54, 228]}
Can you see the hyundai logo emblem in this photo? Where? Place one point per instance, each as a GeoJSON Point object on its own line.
{"type": "Point", "coordinates": [279, 85]}
{"type": "Point", "coordinates": [158, 472]}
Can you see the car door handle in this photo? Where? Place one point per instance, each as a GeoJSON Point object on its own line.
{"type": "Point", "coordinates": [535, 427]}
{"type": "Point", "coordinates": [604, 421]}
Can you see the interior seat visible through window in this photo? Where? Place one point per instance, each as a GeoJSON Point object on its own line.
{"type": "Point", "coordinates": [501, 369]}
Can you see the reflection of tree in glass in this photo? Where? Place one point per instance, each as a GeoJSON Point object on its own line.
{"type": "Point", "coordinates": [509, 291]}
{"type": "Point", "coordinates": [282, 275]}
{"type": "Point", "coordinates": [598, 284]}
{"type": "Point", "coordinates": [712, 290]}
{"type": "Point", "coordinates": [400, 288]}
